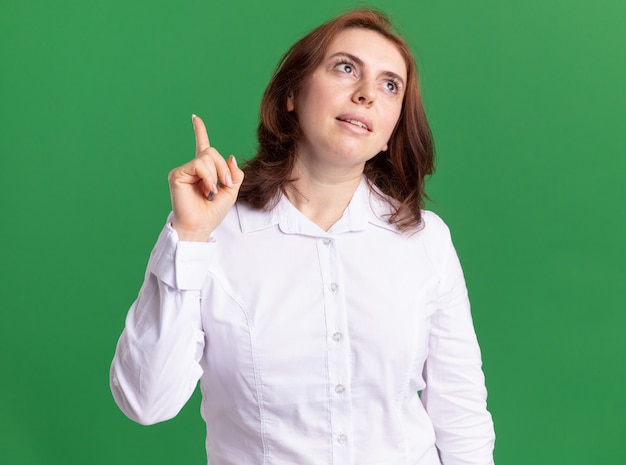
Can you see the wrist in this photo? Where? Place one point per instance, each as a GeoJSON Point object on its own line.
{"type": "Point", "coordinates": [191, 235]}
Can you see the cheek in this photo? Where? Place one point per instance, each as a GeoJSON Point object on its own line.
{"type": "Point", "coordinates": [392, 119]}
{"type": "Point", "coordinates": [310, 111]}
{"type": "Point", "coordinates": [391, 122]}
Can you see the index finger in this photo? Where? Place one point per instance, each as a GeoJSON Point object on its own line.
{"type": "Point", "coordinates": [202, 137]}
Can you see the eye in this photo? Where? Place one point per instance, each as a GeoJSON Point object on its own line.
{"type": "Point", "coordinates": [345, 67]}
{"type": "Point", "coordinates": [392, 86]}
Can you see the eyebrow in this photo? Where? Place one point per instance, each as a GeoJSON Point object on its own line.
{"type": "Point", "coordinates": [359, 62]}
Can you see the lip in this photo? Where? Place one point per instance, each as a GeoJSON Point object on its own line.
{"type": "Point", "coordinates": [349, 117]}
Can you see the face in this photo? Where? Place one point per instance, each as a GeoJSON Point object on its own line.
{"type": "Point", "coordinates": [349, 107]}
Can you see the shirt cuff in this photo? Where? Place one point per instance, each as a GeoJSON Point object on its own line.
{"type": "Point", "coordinates": [180, 264]}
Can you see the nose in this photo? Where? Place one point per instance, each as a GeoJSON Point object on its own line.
{"type": "Point", "coordinates": [365, 93]}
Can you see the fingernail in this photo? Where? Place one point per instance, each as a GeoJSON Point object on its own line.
{"type": "Point", "coordinates": [212, 193]}
{"type": "Point", "coordinates": [193, 116]}
{"type": "Point", "coordinates": [228, 181]}
{"type": "Point", "coordinates": [234, 159]}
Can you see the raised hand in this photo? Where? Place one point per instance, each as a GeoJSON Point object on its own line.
{"type": "Point", "coordinates": [198, 203]}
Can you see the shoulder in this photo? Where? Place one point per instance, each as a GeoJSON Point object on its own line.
{"type": "Point", "coordinates": [433, 225]}
{"type": "Point", "coordinates": [429, 225]}
{"type": "Point", "coordinates": [436, 239]}
{"type": "Point", "coordinates": [431, 235]}
{"type": "Point", "coordinates": [433, 229]}
{"type": "Point", "coordinates": [243, 218]}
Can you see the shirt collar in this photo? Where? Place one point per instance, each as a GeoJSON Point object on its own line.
{"type": "Point", "coordinates": [367, 207]}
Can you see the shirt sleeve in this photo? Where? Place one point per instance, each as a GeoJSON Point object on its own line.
{"type": "Point", "coordinates": [156, 365]}
{"type": "Point", "coordinates": [455, 396]}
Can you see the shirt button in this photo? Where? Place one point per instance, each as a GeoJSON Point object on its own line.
{"type": "Point", "coordinates": [340, 388]}
{"type": "Point", "coordinates": [327, 241]}
{"type": "Point", "coordinates": [342, 438]}
{"type": "Point", "coordinates": [337, 337]}
{"type": "Point", "coordinates": [333, 287]}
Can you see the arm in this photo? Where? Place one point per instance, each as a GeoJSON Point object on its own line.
{"type": "Point", "coordinates": [455, 396]}
{"type": "Point", "coordinates": [156, 364]}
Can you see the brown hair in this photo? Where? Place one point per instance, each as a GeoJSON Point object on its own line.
{"type": "Point", "coordinates": [398, 172]}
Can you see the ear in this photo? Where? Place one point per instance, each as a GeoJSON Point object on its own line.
{"type": "Point", "coordinates": [385, 147]}
{"type": "Point", "coordinates": [291, 104]}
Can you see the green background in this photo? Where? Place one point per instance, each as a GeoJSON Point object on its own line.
{"type": "Point", "coordinates": [527, 102]}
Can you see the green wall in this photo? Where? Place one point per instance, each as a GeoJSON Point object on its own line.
{"type": "Point", "coordinates": [528, 106]}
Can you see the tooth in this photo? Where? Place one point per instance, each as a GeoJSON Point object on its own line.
{"type": "Point", "coordinates": [357, 123]}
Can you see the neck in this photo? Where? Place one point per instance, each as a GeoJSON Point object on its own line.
{"type": "Point", "coordinates": [322, 197]}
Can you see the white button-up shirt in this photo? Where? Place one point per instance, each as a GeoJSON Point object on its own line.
{"type": "Point", "coordinates": [348, 346]}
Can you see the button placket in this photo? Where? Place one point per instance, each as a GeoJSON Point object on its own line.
{"type": "Point", "coordinates": [338, 350]}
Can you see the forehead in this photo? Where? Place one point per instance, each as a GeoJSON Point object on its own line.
{"type": "Point", "coordinates": [371, 47]}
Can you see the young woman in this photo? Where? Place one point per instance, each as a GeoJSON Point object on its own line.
{"type": "Point", "coordinates": [323, 311]}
